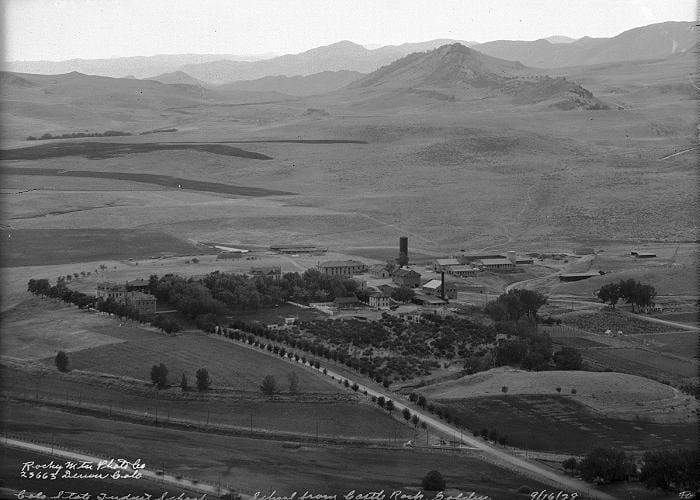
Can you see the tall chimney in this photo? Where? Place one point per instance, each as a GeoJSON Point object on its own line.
{"type": "Point", "coordinates": [403, 251]}
{"type": "Point", "coordinates": [442, 286]}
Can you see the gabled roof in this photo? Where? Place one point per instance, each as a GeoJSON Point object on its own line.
{"type": "Point", "coordinates": [447, 262]}
{"type": "Point", "coordinates": [405, 273]}
{"type": "Point", "coordinates": [433, 284]}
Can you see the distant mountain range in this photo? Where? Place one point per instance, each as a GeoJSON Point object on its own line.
{"type": "Point", "coordinates": [655, 41]}
{"type": "Point", "coordinates": [121, 67]}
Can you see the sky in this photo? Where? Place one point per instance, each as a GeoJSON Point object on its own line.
{"type": "Point", "coordinates": [57, 30]}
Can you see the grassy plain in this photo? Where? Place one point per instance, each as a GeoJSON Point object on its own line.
{"type": "Point", "coordinates": [251, 465]}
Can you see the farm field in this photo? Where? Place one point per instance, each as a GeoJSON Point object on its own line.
{"type": "Point", "coordinates": [249, 464]}
{"type": "Point", "coordinates": [36, 247]}
{"type": "Point", "coordinates": [229, 365]}
{"type": "Point", "coordinates": [642, 362]}
{"type": "Point", "coordinates": [682, 343]}
{"type": "Point", "coordinates": [617, 395]}
{"type": "Point", "coordinates": [331, 416]}
{"type": "Point", "coordinates": [614, 320]}
{"type": "Point", "coordinates": [560, 424]}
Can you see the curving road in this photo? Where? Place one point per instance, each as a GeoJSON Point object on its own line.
{"type": "Point", "coordinates": [501, 457]}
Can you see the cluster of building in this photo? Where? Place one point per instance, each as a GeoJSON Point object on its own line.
{"type": "Point", "coordinates": [130, 293]}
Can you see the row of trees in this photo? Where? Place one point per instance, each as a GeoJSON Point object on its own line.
{"type": "Point", "coordinates": [664, 469]}
{"type": "Point", "coordinates": [75, 135]}
{"type": "Point", "coordinates": [633, 292]}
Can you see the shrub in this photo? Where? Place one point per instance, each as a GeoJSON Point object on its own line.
{"type": "Point", "coordinates": [61, 361]}
{"type": "Point", "coordinates": [433, 481]}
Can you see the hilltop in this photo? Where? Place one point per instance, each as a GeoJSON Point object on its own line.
{"type": "Point", "coordinates": [461, 72]}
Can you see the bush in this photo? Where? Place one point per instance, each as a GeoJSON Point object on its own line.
{"type": "Point", "coordinates": [203, 380]}
{"type": "Point", "coordinates": [433, 481]}
{"type": "Point", "coordinates": [61, 361]}
{"type": "Point", "coordinates": [269, 385]}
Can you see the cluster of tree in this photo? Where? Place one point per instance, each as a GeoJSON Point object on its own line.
{"type": "Point", "coordinates": [75, 135]}
{"type": "Point", "coordinates": [669, 470]}
{"type": "Point", "coordinates": [530, 350]}
{"type": "Point", "coordinates": [158, 131]}
{"type": "Point", "coordinates": [516, 304]}
{"type": "Point", "coordinates": [159, 378]}
{"type": "Point", "coordinates": [219, 293]}
{"type": "Point", "coordinates": [493, 436]}
{"type": "Point", "coordinates": [633, 292]}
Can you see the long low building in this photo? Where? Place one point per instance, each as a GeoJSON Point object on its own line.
{"type": "Point", "coordinates": [578, 276]}
{"type": "Point", "coordinates": [490, 264]}
{"type": "Point", "coordinates": [342, 267]}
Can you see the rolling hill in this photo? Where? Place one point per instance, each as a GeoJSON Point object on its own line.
{"type": "Point", "coordinates": [344, 55]}
{"type": "Point", "coordinates": [656, 41]}
{"type": "Point", "coordinates": [318, 83]}
{"type": "Point", "coordinates": [177, 77]}
{"type": "Point", "coordinates": [460, 72]}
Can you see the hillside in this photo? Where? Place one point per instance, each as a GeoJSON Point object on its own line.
{"type": "Point", "coordinates": [318, 83]}
{"type": "Point", "coordinates": [464, 72]}
{"type": "Point", "coordinates": [655, 41]}
{"type": "Point", "coordinates": [615, 394]}
{"type": "Point", "coordinates": [74, 102]}
{"type": "Point", "coordinates": [177, 77]}
{"type": "Point", "coordinates": [344, 55]}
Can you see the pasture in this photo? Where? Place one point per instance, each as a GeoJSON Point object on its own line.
{"type": "Point", "coordinates": [309, 415]}
{"type": "Point", "coordinates": [562, 425]}
{"type": "Point", "coordinates": [251, 465]}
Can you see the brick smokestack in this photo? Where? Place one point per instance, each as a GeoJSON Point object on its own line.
{"type": "Point", "coordinates": [442, 286]}
{"type": "Point", "coordinates": [403, 251]}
